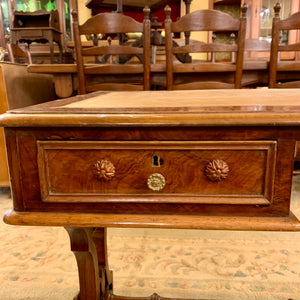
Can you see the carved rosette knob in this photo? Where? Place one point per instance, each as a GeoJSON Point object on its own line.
{"type": "Point", "coordinates": [104, 170]}
{"type": "Point", "coordinates": [216, 170]}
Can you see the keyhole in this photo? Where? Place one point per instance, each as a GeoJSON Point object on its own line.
{"type": "Point", "coordinates": [156, 161]}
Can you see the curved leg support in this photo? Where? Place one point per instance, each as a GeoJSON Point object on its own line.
{"type": "Point", "coordinates": [84, 249]}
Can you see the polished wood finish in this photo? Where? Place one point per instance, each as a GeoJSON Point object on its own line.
{"type": "Point", "coordinates": [276, 65]}
{"type": "Point", "coordinates": [15, 53]}
{"type": "Point", "coordinates": [111, 24]}
{"type": "Point", "coordinates": [290, 223]}
{"type": "Point", "coordinates": [86, 256]}
{"type": "Point", "coordinates": [218, 159]}
{"type": "Point", "coordinates": [252, 162]}
{"type": "Point", "coordinates": [204, 20]}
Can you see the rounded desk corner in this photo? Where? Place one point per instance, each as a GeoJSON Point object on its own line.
{"type": "Point", "coordinates": [7, 217]}
{"type": "Point", "coordinates": [295, 222]}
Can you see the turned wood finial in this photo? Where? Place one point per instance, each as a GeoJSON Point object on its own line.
{"type": "Point", "coordinates": [277, 8]}
{"type": "Point", "coordinates": [244, 9]}
{"type": "Point", "coordinates": [232, 38]}
{"type": "Point", "coordinates": [146, 12]}
{"type": "Point", "coordinates": [74, 14]}
{"type": "Point", "coordinates": [187, 6]}
{"type": "Point", "coordinates": [168, 13]}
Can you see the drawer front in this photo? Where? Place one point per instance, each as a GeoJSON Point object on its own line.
{"type": "Point", "coordinates": [229, 172]}
{"type": "Point", "coordinates": [30, 33]}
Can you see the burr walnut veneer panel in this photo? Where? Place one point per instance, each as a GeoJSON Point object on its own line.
{"type": "Point", "coordinates": [237, 172]}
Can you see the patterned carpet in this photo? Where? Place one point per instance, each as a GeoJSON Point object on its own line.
{"type": "Point", "coordinates": [36, 262]}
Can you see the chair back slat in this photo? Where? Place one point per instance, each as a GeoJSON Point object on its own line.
{"type": "Point", "coordinates": [206, 20]}
{"type": "Point", "coordinates": [289, 47]}
{"type": "Point", "coordinates": [113, 50]}
{"type": "Point", "coordinates": [110, 23]}
{"type": "Point", "coordinates": [196, 48]}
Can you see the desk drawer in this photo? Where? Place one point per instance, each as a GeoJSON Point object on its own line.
{"type": "Point", "coordinates": [227, 172]}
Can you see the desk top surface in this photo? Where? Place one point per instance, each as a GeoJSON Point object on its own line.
{"type": "Point", "coordinates": [202, 107]}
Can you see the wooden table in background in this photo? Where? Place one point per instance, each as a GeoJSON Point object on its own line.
{"type": "Point", "coordinates": [255, 72]}
{"type": "Point", "coordinates": [217, 159]}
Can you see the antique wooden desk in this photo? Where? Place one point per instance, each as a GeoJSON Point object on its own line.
{"type": "Point", "coordinates": [218, 159]}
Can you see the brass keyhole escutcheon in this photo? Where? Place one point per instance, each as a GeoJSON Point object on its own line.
{"type": "Point", "coordinates": [156, 182]}
{"type": "Point", "coordinates": [157, 161]}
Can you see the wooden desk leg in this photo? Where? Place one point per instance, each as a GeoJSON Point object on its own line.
{"type": "Point", "coordinates": [84, 249]}
{"type": "Point", "coordinates": [63, 85]}
{"type": "Point", "coordinates": [106, 281]}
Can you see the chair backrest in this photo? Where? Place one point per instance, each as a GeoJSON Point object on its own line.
{"type": "Point", "coordinates": [211, 21]}
{"type": "Point", "coordinates": [287, 68]}
{"type": "Point", "coordinates": [122, 75]}
{"type": "Point", "coordinates": [16, 54]}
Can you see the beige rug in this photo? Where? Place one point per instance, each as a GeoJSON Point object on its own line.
{"type": "Point", "coordinates": [36, 262]}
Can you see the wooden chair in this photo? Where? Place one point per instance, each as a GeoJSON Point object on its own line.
{"type": "Point", "coordinates": [16, 54]}
{"type": "Point", "coordinates": [114, 76]}
{"type": "Point", "coordinates": [291, 76]}
{"type": "Point", "coordinates": [186, 75]}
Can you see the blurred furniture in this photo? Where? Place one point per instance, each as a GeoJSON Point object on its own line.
{"type": "Point", "coordinates": [31, 89]}
{"type": "Point", "coordinates": [136, 60]}
{"type": "Point", "coordinates": [277, 65]}
{"type": "Point", "coordinates": [16, 54]}
{"type": "Point", "coordinates": [259, 19]}
{"type": "Point", "coordinates": [258, 64]}
{"type": "Point", "coordinates": [255, 72]}
{"type": "Point", "coordinates": [260, 22]}
{"type": "Point", "coordinates": [210, 21]}
{"type": "Point", "coordinates": [256, 45]}
{"type": "Point", "coordinates": [121, 6]}
{"type": "Point", "coordinates": [39, 26]}
{"type": "Point", "coordinates": [217, 159]}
